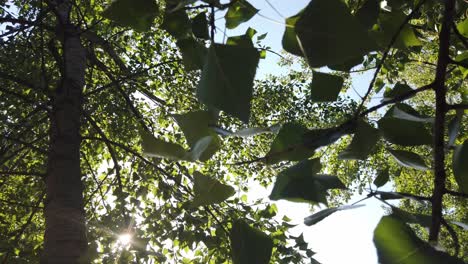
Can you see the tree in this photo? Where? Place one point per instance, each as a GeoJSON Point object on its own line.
{"type": "Point", "coordinates": [94, 81]}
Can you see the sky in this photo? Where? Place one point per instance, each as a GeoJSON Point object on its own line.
{"type": "Point", "coordinates": [343, 237]}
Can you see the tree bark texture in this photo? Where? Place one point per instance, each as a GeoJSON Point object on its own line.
{"type": "Point", "coordinates": [65, 236]}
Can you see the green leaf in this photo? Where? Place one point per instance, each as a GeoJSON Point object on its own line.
{"type": "Point", "coordinates": [200, 26]}
{"type": "Point", "coordinates": [227, 79]}
{"type": "Point", "coordinates": [301, 183]}
{"type": "Point", "coordinates": [368, 13]}
{"type": "Point", "coordinates": [463, 27]}
{"type": "Point", "coordinates": [193, 53]}
{"type": "Point", "coordinates": [248, 132]}
{"type": "Point", "coordinates": [397, 243]}
{"type": "Point", "coordinates": [289, 144]}
{"type": "Point", "coordinates": [325, 87]}
{"type": "Point", "coordinates": [196, 125]}
{"type": "Point", "coordinates": [382, 178]}
{"type": "Point", "coordinates": [290, 41]}
{"type": "Point", "coordinates": [242, 40]}
{"type": "Point", "coordinates": [209, 191]}
{"type": "Point", "coordinates": [316, 138]}
{"type": "Point", "coordinates": [347, 65]}
{"type": "Point", "coordinates": [389, 25]}
{"type": "Point", "coordinates": [199, 148]}
{"type": "Point", "coordinates": [404, 132]}
{"type": "Point", "coordinates": [319, 216]}
{"type": "Point", "coordinates": [330, 35]}
{"type": "Point", "coordinates": [249, 245]}
{"type": "Point", "coordinates": [137, 14]}
{"type": "Point", "coordinates": [177, 24]}
{"type": "Point", "coordinates": [154, 147]}
{"type": "Point", "coordinates": [398, 90]}
{"type": "Point", "coordinates": [239, 12]}
{"type": "Point", "coordinates": [454, 127]}
{"type": "Point", "coordinates": [460, 166]}
{"type": "Point", "coordinates": [363, 142]}
{"type": "Point", "coordinates": [423, 220]}
{"type": "Point", "coordinates": [406, 112]}
{"type": "Point", "coordinates": [408, 159]}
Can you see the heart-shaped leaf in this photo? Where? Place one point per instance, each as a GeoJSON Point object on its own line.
{"type": "Point", "coordinates": [363, 142]}
{"type": "Point", "coordinates": [382, 178]}
{"type": "Point", "coordinates": [323, 27]}
{"type": "Point", "coordinates": [227, 79]}
{"type": "Point", "coordinates": [325, 87]}
{"type": "Point", "coordinates": [408, 159]}
{"type": "Point", "coordinates": [368, 13]}
{"type": "Point", "coordinates": [301, 183]}
{"type": "Point", "coordinates": [460, 166]}
{"type": "Point", "coordinates": [239, 12]}
{"type": "Point", "coordinates": [397, 243]}
{"type": "Point", "coordinates": [404, 132]}
{"type": "Point", "coordinates": [137, 14]}
{"type": "Point", "coordinates": [154, 147]}
{"type": "Point", "coordinates": [249, 245]}
{"type": "Point", "coordinates": [209, 191]}
{"type": "Point", "coordinates": [196, 125]}
{"type": "Point", "coordinates": [289, 144]}
{"type": "Point", "coordinates": [200, 26]}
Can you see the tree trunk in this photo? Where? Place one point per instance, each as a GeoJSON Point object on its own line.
{"type": "Point", "coordinates": [65, 236]}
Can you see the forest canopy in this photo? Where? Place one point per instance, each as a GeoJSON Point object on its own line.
{"type": "Point", "coordinates": [129, 135]}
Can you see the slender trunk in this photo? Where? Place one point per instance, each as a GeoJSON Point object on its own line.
{"type": "Point", "coordinates": [65, 236]}
{"type": "Point", "coordinates": [439, 129]}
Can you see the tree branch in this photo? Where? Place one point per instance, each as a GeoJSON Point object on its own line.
{"type": "Point", "coordinates": [457, 106]}
{"type": "Point", "coordinates": [22, 173]}
{"type": "Point", "coordinates": [385, 55]}
{"type": "Point", "coordinates": [439, 128]}
{"type": "Point", "coordinates": [116, 163]}
{"type": "Point", "coordinates": [458, 194]}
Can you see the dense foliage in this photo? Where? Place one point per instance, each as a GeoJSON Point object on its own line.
{"type": "Point", "coordinates": [126, 117]}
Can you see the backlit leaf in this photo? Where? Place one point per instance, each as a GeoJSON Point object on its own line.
{"type": "Point", "coordinates": [249, 245]}
{"type": "Point", "coordinates": [301, 183]}
{"type": "Point", "coordinates": [227, 79]}
{"type": "Point", "coordinates": [200, 26]}
{"type": "Point", "coordinates": [389, 26]}
{"type": "Point", "coordinates": [209, 191]}
{"type": "Point", "coordinates": [289, 144]}
{"type": "Point", "coordinates": [368, 13]}
{"type": "Point", "coordinates": [460, 166]}
{"type": "Point", "coordinates": [177, 24]}
{"type": "Point", "coordinates": [382, 178]}
{"type": "Point", "coordinates": [193, 53]}
{"type": "Point", "coordinates": [398, 90]}
{"type": "Point", "coordinates": [323, 28]}
{"type": "Point", "coordinates": [364, 141]}
{"type": "Point", "coordinates": [404, 132]}
{"type": "Point", "coordinates": [319, 216]}
{"type": "Point", "coordinates": [154, 147]}
{"type": "Point", "coordinates": [408, 159]}
{"type": "Point", "coordinates": [397, 243]}
{"type": "Point", "coordinates": [137, 14]}
{"type": "Point", "coordinates": [239, 12]}
{"type": "Point", "coordinates": [463, 27]}
{"type": "Point", "coordinates": [454, 127]}
{"type": "Point", "coordinates": [325, 87]}
{"type": "Point", "coordinates": [196, 125]}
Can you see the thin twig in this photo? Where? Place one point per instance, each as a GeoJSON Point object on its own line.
{"type": "Point", "coordinates": [385, 55]}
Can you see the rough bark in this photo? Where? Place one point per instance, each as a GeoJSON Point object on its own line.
{"type": "Point", "coordinates": [65, 236]}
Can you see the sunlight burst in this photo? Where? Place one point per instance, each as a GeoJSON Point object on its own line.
{"type": "Point", "coordinates": [125, 239]}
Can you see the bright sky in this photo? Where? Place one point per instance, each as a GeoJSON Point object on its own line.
{"type": "Point", "coordinates": [346, 236]}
